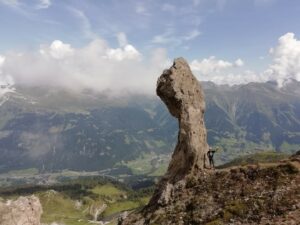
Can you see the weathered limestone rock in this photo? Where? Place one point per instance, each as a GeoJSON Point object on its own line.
{"type": "Point", "coordinates": [23, 211]}
{"type": "Point", "coordinates": [183, 95]}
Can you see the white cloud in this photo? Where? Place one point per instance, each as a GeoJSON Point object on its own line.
{"type": "Point", "coordinates": [18, 7]}
{"type": "Point", "coordinates": [161, 39]}
{"type": "Point", "coordinates": [122, 39]}
{"type": "Point", "coordinates": [11, 3]}
{"type": "Point", "coordinates": [96, 66]}
{"type": "Point", "coordinates": [141, 9]}
{"type": "Point", "coordinates": [119, 54]}
{"type": "Point", "coordinates": [210, 65]}
{"type": "Point", "coordinates": [57, 50]}
{"type": "Point", "coordinates": [2, 59]}
{"type": "Point", "coordinates": [239, 63]}
{"type": "Point", "coordinates": [159, 57]}
{"type": "Point", "coordinates": [43, 4]}
{"type": "Point", "coordinates": [169, 37]}
{"type": "Point", "coordinates": [165, 38]}
{"type": "Point", "coordinates": [284, 67]}
{"type": "Point", "coordinates": [192, 35]}
{"type": "Point", "coordinates": [6, 81]}
{"type": "Point", "coordinates": [114, 70]}
{"type": "Point", "coordinates": [286, 60]}
{"type": "Point", "coordinates": [222, 72]}
{"type": "Point", "coordinates": [233, 78]}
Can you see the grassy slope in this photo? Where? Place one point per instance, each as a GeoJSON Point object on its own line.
{"type": "Point", "coordinates": [60, 208]}
{"type": "Point", "coordinates": [150, 164]}
{"type": "Point", "coordinates": [73, 205]}
{"type": "Point", "coordinates": [261, 157]}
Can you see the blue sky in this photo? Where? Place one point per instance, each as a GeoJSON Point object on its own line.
{"type": "Point", "coordinates": [219, 31]}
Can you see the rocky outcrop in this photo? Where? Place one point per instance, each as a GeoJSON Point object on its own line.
{"type": "Point", "coordinates": [189, 194]}
{"type": "Point", "coordinates": [263, 195]}
{"type": "Point", "coordinates": [181, 92]}
{"type": "Point", "coordinates": [23, 211]}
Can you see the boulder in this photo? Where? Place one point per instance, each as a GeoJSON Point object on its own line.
{"type": "Point", "coordinates": [23, 211]}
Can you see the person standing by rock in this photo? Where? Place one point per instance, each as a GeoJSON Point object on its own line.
{"type": "Point", "coordinates": [211, 152]}
{"type": "Point", "coordinates": [210, 155]}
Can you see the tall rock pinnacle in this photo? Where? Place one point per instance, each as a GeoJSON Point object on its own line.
{"type": "Point", "coordinates": [181, 92]}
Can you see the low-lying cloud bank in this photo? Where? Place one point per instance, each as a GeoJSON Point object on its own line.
{"type": "Point", "coordinates": [95, 66]}
{"type": "Point", "coordinates": [99, 67]}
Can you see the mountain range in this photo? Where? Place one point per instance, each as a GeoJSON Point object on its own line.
{"type": "Point", "coordinates": [54, 129]}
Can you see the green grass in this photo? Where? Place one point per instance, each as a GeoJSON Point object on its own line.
{"type": "Point", "coordinates": [60, 205]}
{"type": "Point", "coordinates": [159, 143]}
{"type": "Point", "coordinates": [233, 148]}
{"type": "Point", "coordinates": [121, 206]}
{"type": "Point", "coordinates": [291, 148]}
{"type": "Point", "coordinates": [107, 190]}
{"type": "Point", "coordinates": [261, 157]}
{"type": "Point", "coordinates": [145, 200]}
{"type": "Point", "coordinates": [60, 208]}
{"type": "Point", "coordinates": [149, 164]}
{"type": "Point", "coordinates": [29, 171]}
{"type": "Point", "coordinates": [141, 165]}
{"type": "Point", "coordinates": [124, 205]}
{"type": "Point", "coordinates": [160, 171]}
{"type": "Point", "coordinates": [127, 139]}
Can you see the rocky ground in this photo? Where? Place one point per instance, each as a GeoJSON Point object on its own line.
{"type": "Point", "coordinates": [254, 194]}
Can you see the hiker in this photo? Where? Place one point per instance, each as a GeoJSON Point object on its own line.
{"type": "Point", "coordinates": [210, 155]}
